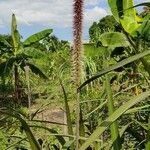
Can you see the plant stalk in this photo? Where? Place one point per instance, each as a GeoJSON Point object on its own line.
{"type": "Point", "coordinates": [147, 146]}
{"type": "Point", "coordinates": [28, 88]}
{"type": "Point", "coordinates": [114, 127]}
{"type": "Point", "coordinates": [16, 75]}
{"type": "Point", "coordinates": [77, 58]}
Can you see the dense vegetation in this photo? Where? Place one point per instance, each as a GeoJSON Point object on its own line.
{"type": "Point", "coordinates": [55, 96]}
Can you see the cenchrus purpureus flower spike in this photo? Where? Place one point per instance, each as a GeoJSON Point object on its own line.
{"type": "Point", "coordinates": [77, 49]}
{"type": "Point", "coordinates": [77, 56]}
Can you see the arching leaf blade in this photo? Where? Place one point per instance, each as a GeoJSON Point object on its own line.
{"type": "Point", "coordinates": [142, 4]}
{"type": "Point", "coordinates": [37, 37]}
{"type": "Point", "coordinates": [113, 67]}
{"type": "Point", "coordinates": [32, 140]}
{"type": "Point", "coordinates": [36, 70]}
{"type": "Point", "coordinates": [116, 7]}
{"type": "Point", "coordinates": [120, 111]}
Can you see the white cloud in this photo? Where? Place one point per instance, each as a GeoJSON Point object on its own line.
{"type": "Point", "coordinates": [91, 2]}
{"type": "Point", "coordinates": [56, 13]}
{"type": "Point", "coordinates": [140, 1]}
{"type": "Point", "coordinates": [94, 14]}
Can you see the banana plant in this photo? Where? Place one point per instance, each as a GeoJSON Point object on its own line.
{"type": "Point", "coordinates": [18, 58]}
{"type": "Point", "coordinates": [134, 27]}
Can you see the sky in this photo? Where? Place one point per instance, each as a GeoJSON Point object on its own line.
{"type": "Point", "coordinates": [36, 15]}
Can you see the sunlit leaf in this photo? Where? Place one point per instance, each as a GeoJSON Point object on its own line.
{"type": "Point", "coordinates": [37, 37]}
{"type": "Point", "coordinates": [114, 39]}
{"type": "Point", "coordinates": [124, 13]}
{"type": "Point", "coordinates": [14, 33]}
{"type": "Point", "coordinates": [116, 7]}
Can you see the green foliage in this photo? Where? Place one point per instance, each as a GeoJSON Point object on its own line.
{"type": "Point", "coordinates": [37, 37]}
{"type": "Point", "coordinates": [91, 50]}
{"type": "Point", "coordinates": [114, 39]}
{"type": "Point", "coordinates": [144, 29]}
{"type": "Point", "coordinates": [15, 35]}
{"type": "Point", "coordinates": [112, 102]}
{"type": "Point", "coordinates": [36, 70]}
{"type": "Point", "coordinates": [5, 45]}
{"type": "Point", "coordinates": [122, 109]}
{"type": "Point", "coordinates": [33, 143]}
{"type": "Point", "coordinates": [67, 109]}
{"type": "Point", "coordinates": [124, 13]}
{"type": "Point", "coordinates": [53, 44]}
{"type": "Point", "coordinates": [17, 58]}
{"type": "Point", "coordinates": [3, 140]}
{"type": "Point", "coordinates": [115, 137]}
{"type": "Point", "coordinates": [106, 24]}
{"type": "Point", "coordinates": [118, 65]}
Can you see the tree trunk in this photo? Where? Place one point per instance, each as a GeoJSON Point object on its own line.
{"type": "Point", "coordinates": [28, 89]}
{"type": "Point", "coordinates": [17, 97]}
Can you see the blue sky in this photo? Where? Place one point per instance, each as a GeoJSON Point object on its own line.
{"type": "Point", "coordinates": [36, 15]}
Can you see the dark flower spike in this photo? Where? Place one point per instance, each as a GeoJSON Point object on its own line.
{"type": "Point", "coordinates": [77, 50]}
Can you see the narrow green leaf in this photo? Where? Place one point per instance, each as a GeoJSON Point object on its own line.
{"type": "Point", "coordinates": [141, 124]}
{"type": "Point", "coordinates": [116, 7]}
{"type": "Point", "coordinates": [15, 34]}
{"type": "Point", "coordinates": [33, 143]}
{"type": "Point", "coordinates": [121, 132]}
{"type": "Point", "coordinates": [115, 137]}
{"type": "Point", "coordinates": [37, 37]}
{"type": "Point", "coordinates": [119, 112]}
{"type": "Point", "coordinates": [68, 145]}
{"type": "Point", "coordinates": [113, 67]}
{"type": "Point", "coordinates": [147, 145]}
{"type": "Point", "coordinates": [39, 110]}
{"type": "Point", "coordinates": [144, 29]}
{"type": "Point", "coordinates": [142, 4]}
{"type": "Point", "coordinates": [97, 108]}
{"type": "Point", "coordinates": [67, 109]}
{"type": "Point", "coordinates": [49, 122]}
{"type": "Point", "coordinates": [138, 109]}
{"type": "Point", "coordinates": [123, 129]}
{"type": "Point", "coordinates": [59, 137]}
